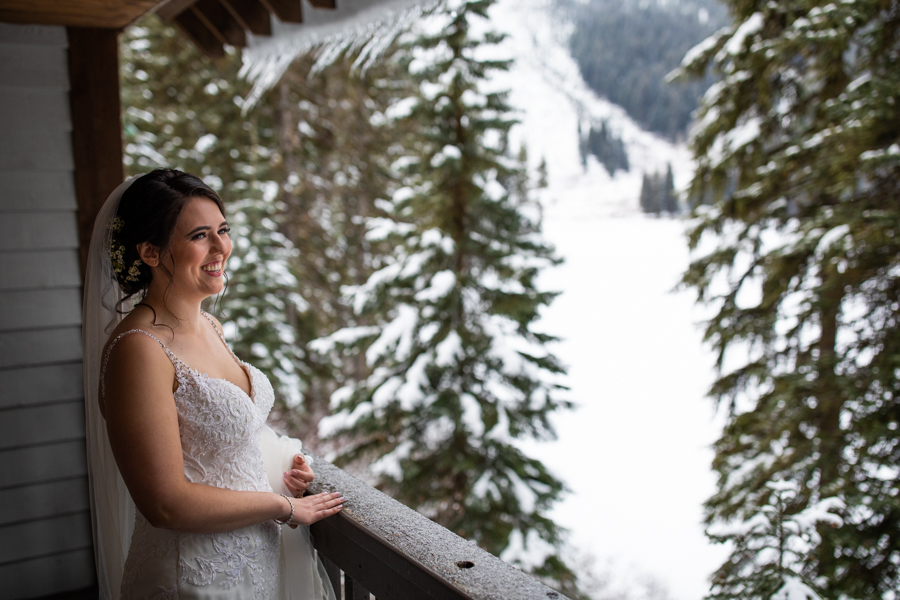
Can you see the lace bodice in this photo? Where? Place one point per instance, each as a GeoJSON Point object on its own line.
{"type": "Point", "coordinates": [219, 426]}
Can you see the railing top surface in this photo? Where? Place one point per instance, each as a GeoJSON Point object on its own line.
{"type": "Point", "coordinates": [423, 541]}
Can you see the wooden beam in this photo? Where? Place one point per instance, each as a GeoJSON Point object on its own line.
{"type": "Point", "coordinates": [173, 8]}
{"type": "Point", "coordinates": [220, 22]}
{"type": "Point", "coordinates": [200, 34]}
{"type": "Point", "coordinates": [96, 123]}
{"type": "Point", "coordinates": [114, 14]}
{"type": "Point", "coordinates": [251, 15]}
{"type": "Point", "coordinates": [287, 11]}
{"type": "Point", "coordinates": [327, 4]}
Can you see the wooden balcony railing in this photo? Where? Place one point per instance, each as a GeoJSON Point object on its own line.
{"type": "Point", "coordinates": [388, 550]}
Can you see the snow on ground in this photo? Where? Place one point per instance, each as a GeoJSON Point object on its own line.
{"type": "Point", "coordinates": [636, 454]}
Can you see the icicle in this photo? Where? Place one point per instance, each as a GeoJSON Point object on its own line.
{"type": "Point", "coordinates": [362, 27]}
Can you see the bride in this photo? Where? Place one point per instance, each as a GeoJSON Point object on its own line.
{"type": "Point", "coordinates": [176, 422]}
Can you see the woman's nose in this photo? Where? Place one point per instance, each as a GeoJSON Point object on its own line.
{"type": "Point", "coordinates": [219, 243]}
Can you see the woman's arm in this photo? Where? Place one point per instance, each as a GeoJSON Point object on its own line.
{"type": "Point", "coordinates": [143, 431]}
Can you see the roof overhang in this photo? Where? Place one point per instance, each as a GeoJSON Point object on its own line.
{"type": "Point", "coordinates": [210, 24]}
{"type": "Point", "coordinates": [112, 14]}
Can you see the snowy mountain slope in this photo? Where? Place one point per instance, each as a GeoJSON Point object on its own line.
{"type": "Point", "coordinates": [636, 454]}
{"type": "Point", "coordinates": [546, 85]}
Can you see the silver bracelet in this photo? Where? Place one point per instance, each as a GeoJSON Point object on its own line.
{"type": "Point", "coordinates": [290, 518]}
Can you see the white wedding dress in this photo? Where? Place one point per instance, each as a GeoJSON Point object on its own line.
{"type": "Point", "coordinates": [223, 431]}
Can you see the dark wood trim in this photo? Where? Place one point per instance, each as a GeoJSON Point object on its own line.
{"type": "Point", "coordinates": [396, 553]}
{"type": "Point", "coordinates": [91, 593]}
{"type": "Point", "coordinates": [83, 13]}
{"type": "Point", "coordinates": [194, 27]}
{"type": "Point", "coordinates": [385, 572]}
{"type": "Point", "coordinates": [96, 123]}
{"type": "Point", "coordinates": [252, 15]}
{"type": "Point", "coordinates": [173, 8]}
{"type": "Point", "coordinates": [287, 11]}
{"type": "Point", "coordinates": [220, 22]}
{"type": "Point", "coordinates": [327, 4]}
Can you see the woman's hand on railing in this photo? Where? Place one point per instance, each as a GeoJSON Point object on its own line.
{"type": "Point", "coordinates": [299, 477]}
{"type": "Point", "coordinates": [310, 509]}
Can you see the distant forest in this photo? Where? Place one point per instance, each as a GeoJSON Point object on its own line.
{"type": "Point", "coordinates": [625, 49]}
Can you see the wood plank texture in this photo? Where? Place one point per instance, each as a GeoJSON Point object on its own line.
{"type": "Point", "coordinates": [38, 231]}
{"type": "Point", "coordinates": [194, 28]}
{"type": "Point", "coordinates": [34, 35]}
{"type": "Point", "coordinates": [42, 424]}
{"type": "Point", "coordinates": [45, 537]}
{"type": "Point", "coordinates": [32, 66]}
{"type": "Point", "coordinates": [43, 500]}
{"type": "Point", "coordinates": [220, 22]}
{"type": "Point", "coordinates": [43, 464]}
{"type": "Point", "coordinates": [47, 575]}
{"type": "Point", "coordinates": [33, 386]}
{"type": "Point", "coordinates": [39, 269]}
{"type": "Point", "coordinates": [38, 190]}
{"type": "Point", "coordinates": [397, 553]}
{"type": "Point", "coordinates": [84, 13]}
{"type": "Point", "coordinates": [333, 573]}
{"type": "Point", "coordinates": [31, 109]}
{"type": "Point", "coordinates": [173, 8]}
{"type": "Point", "coordinates": [33, 309]}
{"type": "Point", "coordinates": [44, 347]}
{"type": "Point", "coordinates": [353, 590]}
{"type": "Point", "coordinates": [37, 149]}
{"type": "Point", "coordinates": [287, 11]}
{"type": "Point", "coordinates": [96, 123]}
{"type": "Point", "coordinates": [251, 15]}
{"type": "Point", "coordinates": [33, 539]}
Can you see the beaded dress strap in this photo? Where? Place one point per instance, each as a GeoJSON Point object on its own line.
{"type": "Point", "coordinates": [221, 335]}
{"type": "Point", "coordinates": [176, 362]}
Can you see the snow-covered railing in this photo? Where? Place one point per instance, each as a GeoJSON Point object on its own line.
{"type": "Point", "coordinates": [391, 551]}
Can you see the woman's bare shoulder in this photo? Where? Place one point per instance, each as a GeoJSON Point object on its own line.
{"type": "Point", "coordinates": [138, 344]}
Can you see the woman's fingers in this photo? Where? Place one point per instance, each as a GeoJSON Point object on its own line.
{"type": "Point", "coordinates": [297, 481]}
{"type": "Point", "coordinates": [298, 478]}
{"type": "Point", "coordinates": [296, 485]}
{"type": "Point", "coordinates": [310, 509]}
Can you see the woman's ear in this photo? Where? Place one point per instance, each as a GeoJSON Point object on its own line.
{"type": "Point", "coordinates": [148, 253]}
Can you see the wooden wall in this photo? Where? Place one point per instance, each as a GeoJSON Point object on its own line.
{"type": "Point", "coordinates": [45, 532]}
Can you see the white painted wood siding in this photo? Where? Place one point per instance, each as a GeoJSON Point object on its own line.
{"type": "Point", "coordinates": [45, 530]}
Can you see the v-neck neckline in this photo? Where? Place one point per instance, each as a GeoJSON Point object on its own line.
{"type": "Point", "coordinates": [241, 364]}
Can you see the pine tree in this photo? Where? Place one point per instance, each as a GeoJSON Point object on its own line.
{"type": "Point", "coordinates": [669, 197]}
{"type": "Point", "coordinates": [337, 146]}
{"type": "Point", "coordinates": [658, 193]}
{"type": "Point", "coordinates": [798, 150]}
{"type": "Point", "coordinates": [607, 148]}
{"type": "Point", "coordinates": [649, 196]}
{"type": "Point", "coordinates": [457, 372]}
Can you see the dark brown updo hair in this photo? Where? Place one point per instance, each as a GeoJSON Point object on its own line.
{"type": "Point", "coordinates": [148, 212]}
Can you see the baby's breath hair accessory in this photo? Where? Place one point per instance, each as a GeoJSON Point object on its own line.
{"type": "Point", "coordinates": [117, 253]}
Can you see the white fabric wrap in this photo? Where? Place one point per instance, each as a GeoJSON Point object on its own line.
{"type": "Point", "coordinates": [112, 510]}
{"type": "Point", "coordinates": [302, 574]}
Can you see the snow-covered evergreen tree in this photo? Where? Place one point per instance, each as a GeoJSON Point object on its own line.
{"type": "Point", "coordinates": [648, 198]}
{"type": "Point", "coordinates": [771, 548]}
{"type": "Point", "coordinates": [798, 150]}
{"type": "Point", "coordinates": [457, 372]}
{"type": "Point", "coordinates": [658, 193]}
{"type": "Point", "coordinates": [670, 198]}
{"type": "Point", "coordinates": [337, 147]}
{"type": "Point", "coordinates": [607, 148]}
